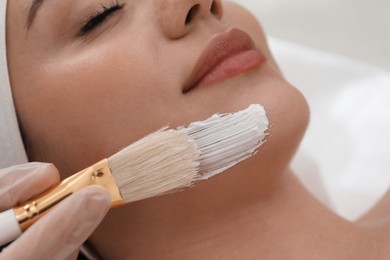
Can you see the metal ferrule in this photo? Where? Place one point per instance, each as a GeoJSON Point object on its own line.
{"type": "Point", "coordinates": [98, 173]}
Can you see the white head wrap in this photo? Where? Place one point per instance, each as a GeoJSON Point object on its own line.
{"type": "Point", "coordinates": [11, 145]}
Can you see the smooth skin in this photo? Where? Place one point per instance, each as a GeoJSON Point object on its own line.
{"type": "Point", "coordinates": [81, 98]}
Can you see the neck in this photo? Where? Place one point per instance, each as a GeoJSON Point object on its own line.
{"type": "Point", "coordinates": [283, 222]}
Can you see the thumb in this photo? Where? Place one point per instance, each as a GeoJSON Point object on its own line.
{"type": "Point", "coordinates": [64, 229]}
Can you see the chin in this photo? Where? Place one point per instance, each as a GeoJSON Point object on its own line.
{"type": "Point", "coordinates": [288, 114]}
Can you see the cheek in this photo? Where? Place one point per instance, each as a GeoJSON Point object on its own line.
{"type": "Point", "coordinates": [94, 102]}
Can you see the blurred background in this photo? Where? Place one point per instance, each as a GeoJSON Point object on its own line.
{"type": "Point", "coordinates": [359, 29]}
{"type": "Point", "coordinates": [337, 52]}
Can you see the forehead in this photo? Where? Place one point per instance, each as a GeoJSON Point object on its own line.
{"type": "Point", "coordinates": [17, 11]}
{"type": "Point", "coordinates": [18, 16]}
{"type": "Point", "coordinates": [17, 7]}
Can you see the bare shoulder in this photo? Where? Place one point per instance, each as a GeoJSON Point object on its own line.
{"type": "Point", "coordinates": [380, 213]}
{"type": "Point", "coordinates": [378, 221]}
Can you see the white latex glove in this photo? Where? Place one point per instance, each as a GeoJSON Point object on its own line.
{"type": "Point", "coordinates": [60, 233]}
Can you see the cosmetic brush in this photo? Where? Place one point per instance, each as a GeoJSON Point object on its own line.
{"type": "Point", "coordinates": [163, 162]}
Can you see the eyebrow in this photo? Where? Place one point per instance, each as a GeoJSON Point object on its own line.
{"type": "Point", "coordinates": [33, 12]}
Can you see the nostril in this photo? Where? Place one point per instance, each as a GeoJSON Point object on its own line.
{"type": "Point", "coordinates": [193, 11]}
{"type": "Point", "coordinates": [216, 9]}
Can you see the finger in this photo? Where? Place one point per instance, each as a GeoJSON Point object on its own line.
{"type": "Point", "coordinates": [64, 229]}
{"type": "Point", "coordinates": [19, 183]}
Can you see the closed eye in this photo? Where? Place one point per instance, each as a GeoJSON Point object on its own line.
{"type": "Point", "coordinates": [99, 18]}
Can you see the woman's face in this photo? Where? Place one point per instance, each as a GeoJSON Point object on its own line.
{"type": "Point", "coordinates": [90, 77]}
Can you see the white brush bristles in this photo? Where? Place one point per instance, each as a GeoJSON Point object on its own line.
{"type": "Point", "coordinates": [169, 160]}
{"type": "Point", "coordinates": [226, 139]}
{"type": "Point", "coordinates": [160, 163]}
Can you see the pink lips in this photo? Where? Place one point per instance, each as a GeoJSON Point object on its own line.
{"type": "Point", "coordinates": [227, 55]}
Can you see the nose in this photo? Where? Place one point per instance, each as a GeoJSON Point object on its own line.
{"type": "Point", "coordinates": [179, 16]}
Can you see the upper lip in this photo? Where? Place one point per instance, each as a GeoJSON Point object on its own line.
{"type": "Point", "coordinates": [219, 48]}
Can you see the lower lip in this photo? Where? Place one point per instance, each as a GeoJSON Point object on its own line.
{"type": "Point", "coordinates": [235, 65]}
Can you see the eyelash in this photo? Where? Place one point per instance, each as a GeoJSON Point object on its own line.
{"type": "Point", "coordinates": [99, 17]}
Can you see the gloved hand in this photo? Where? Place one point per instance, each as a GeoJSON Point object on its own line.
{"type": "Point", "coordinates": [60, 233]}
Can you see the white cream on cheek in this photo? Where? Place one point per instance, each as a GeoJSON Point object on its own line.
{"type": "Point", "coordinates": [233, 137]}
